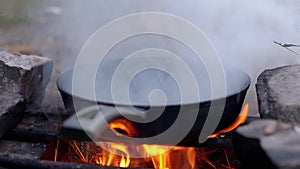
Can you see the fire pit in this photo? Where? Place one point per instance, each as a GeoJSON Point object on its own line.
{"type": "Point", "coordinates": [39, 143]}
{"type": "Point", "coordinates": [50, 150]}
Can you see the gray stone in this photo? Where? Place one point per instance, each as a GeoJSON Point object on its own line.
{"type": "Point", "coordinates": [25, 74]}
{"type": "Point", "coordinates": [18, 149]}
{"type": "Point", "coordinates": [278, 92]}
{"type": "Point", "coordinates": [280, 141]}
{"type": "Point", "coordinates": [12, 108]}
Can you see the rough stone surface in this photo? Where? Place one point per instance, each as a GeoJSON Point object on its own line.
{"type": "Point", "coordinates": [17, 149]}
{"type": "Point", "coordinates": [25, 74]}
{"type": "Point", "coordinates": [280, 141]}
{"type": "Point", "coordinates": [12, 108]}
{"type": "Point", "coordinates": [278, 92]}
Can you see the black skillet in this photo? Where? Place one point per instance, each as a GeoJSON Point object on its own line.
{"type": "Point", "coordinates": [237, 83]}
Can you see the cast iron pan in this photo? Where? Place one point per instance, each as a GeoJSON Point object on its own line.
{"type": "Point", "coordinates": [237, 83]}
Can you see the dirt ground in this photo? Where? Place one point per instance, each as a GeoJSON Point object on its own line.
{"type": "Point", "coordinates": [28, 27]}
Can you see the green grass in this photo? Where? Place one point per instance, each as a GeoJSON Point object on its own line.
{"type": "Point", "coordinates": [10, 20]}
{"type": "Point", "coordinates": [14, 12]}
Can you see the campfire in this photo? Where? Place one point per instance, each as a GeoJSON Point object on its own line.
{"type": "Point", "coordinates": [61, 151]}
{"type": "Point", "coordinates": [64, 62]}
{"type": "Point", "coordinates": [154, 156]}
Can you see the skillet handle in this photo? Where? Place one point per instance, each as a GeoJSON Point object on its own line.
{"type": "Point", "coordinates": [93, 120]}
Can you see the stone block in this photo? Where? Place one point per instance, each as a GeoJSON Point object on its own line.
{"type": "Point", "coordinates": [25, 74]}
{"type": "Point", "coordinates": [278, 92]}
{"type": "Point", "coordinates": [12, 108]}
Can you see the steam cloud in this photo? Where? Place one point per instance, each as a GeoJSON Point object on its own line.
{"type": "Point", "coordinates": [242, 31]}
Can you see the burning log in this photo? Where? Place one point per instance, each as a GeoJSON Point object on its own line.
{"type": "Point", "coordinates": [268, 144]}
{"type": "Point", "coordinates": [25, 74]}
{"type": "Point", "coordinates": [278, 94]}
{"type": "Point", "coordinates": [25, 163]}
{"type": "Point", "coordinates": [30, 135]}
{"type": "Point", "coordinates": [11, 110]}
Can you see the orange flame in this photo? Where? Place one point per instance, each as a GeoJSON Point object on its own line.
{"type": "Point", "coordinates": [123, 125]}
{"type": "Point", "coordinates": [124, 162]}
{"type": "Point", "coordinates": [162, 157]}
{"type": "Point", "coordinates": [240, 120]}
{"type": "Point", "coordinates": [111, 159]}
{"type": "Point", "coordinates": [174, 158]}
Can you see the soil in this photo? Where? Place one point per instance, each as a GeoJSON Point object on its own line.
{"type": "Point", "coordinates": [28, 28]}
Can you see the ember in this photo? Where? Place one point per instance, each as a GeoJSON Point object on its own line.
{"type": "Point", "coordinates": [153, 156]}
{"type": "Point", "coordinates": [177, 157]}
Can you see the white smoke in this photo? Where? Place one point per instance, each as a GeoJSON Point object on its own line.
{"type": "Point", "coordinates": [242, 31]}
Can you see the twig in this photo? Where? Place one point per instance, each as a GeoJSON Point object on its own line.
{"type": "Point", "coordinates": [286, 46]}
{"type": "Point", "coordinates": [56, 150]}
{"type": "Point", "coordinates": [77, 149]}
{"type": "Point", "coordinates": [211, 164]}
{"type": "Point", "coordinates": [227, 159]}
